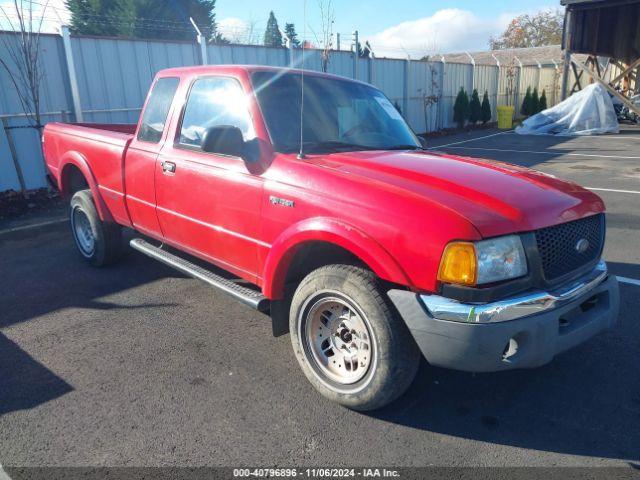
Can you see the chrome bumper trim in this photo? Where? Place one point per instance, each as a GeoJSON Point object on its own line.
{"type": "Point", "coordinates": [515, 307]}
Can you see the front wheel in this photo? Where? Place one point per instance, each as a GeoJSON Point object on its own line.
{"type": "Point", "coordinates": [350, 342]}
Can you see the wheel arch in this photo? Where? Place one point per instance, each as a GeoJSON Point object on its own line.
{"type": "Point", "coordinates": [336, 238]}
{"type": "Point", "coordinates": [74, 169]}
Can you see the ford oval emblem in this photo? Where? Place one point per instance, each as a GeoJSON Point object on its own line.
{"type": "Point", "coordinates": [582, 245]}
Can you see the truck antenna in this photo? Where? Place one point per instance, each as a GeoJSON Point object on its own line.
{"type": "Point", "coordinates": [301, 154]}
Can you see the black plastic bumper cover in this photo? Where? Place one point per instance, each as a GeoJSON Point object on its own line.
{"type": "Point", "coordinates": [526, 342]}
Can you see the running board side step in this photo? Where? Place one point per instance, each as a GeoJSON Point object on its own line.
{"type": "Point", "coordinates": [252, 298]}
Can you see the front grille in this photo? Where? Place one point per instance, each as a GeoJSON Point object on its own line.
{"type": "Point", "coordinates": [557, 245]}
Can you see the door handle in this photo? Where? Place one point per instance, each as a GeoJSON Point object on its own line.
{"type": "Point", "coordinates": [169, 167]}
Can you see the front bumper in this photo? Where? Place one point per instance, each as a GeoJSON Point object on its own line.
{"type": "Point", "coordinates": [520, 332]}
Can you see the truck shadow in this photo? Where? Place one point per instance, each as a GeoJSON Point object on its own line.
{"type": "Point", "coordinates": [534, 411]}
{"type": "Point", "coordinates": [25, 382]}
{"type": "Point", "coordinates": [44, 274]}
{"type": "Point", "coordinates": [586, 402]}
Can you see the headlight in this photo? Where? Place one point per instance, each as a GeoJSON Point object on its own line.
{"type": "Point", "coordinates": [483, 262]}
{"type": "Point", "coordinates": [500, 259]}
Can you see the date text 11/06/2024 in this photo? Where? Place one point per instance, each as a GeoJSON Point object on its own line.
{"type": "Point", "coordinates": [316, 472]}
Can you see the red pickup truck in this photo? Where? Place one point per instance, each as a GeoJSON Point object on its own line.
{"type": "Point", "coordinates": [327, 212]}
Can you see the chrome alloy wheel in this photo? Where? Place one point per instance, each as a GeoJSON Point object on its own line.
{"type": "Point", "coordinates": [82, 232]}
{"type": "Point", "coordinates": [339, 339]}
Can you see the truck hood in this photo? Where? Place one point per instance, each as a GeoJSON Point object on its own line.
{"type": "Point", "coordinates": [497, 198]}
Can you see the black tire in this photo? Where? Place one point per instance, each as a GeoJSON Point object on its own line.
{"type": "Point", "coordinates": [394, 356]}
{"type": "Point", "coordinates": [102, 242]}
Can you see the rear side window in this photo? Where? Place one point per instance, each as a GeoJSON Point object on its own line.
{"type": "Point", "coordinates": [214, 102]}
{"type": "Point", "coordinates": [155, 114]}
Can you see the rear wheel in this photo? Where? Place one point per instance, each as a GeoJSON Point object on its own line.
{"type": "Point", "coordinates": [100, 243]}
{"type": "Point", "coordinates": [350, 342]}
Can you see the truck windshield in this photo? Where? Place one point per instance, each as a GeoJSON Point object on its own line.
{"type": "Point", "coordinates": [339, 115]}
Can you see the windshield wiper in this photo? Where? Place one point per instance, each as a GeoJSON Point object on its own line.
{"type": "Point", "coordinates": [329, 146]}
{"type": "Point", "coordinates": [404, 147]}
{"type": "Point", "coordinates": [336, 146]}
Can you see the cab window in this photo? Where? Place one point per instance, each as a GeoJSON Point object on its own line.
{"type": "Point", "coordinates": [212, 102]}
{"type": "Point", "coordinates": [157, 110]}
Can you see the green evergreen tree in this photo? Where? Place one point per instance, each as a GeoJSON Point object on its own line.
{"type": "Point", "coordinates": [475, 108]}
{"type": "Point", "coordinates": [535, 102]}
{"type": "Point", "coordinates": [526, 103]}
{"type": "Point", "coordinates": [94, 17]}
{"type": "Point", "coordinates": [543, 101]}
{"type": "Point", "coordinates": [485, 116]}
{"type": "Point", "coordinates": [167, 20]}
{"type": "Point", "coordinates": [461, 108]}
{"type": "Point", "coordinates": [290, 30]}
{"type": "Point", "coordinates": [219, 39]}
{"type": "Point", "coordinates": [127, 17]}
{"type": "Point", "coordinates": [272, 35]}
{"type": "Point", "coordinates": [175, 14]}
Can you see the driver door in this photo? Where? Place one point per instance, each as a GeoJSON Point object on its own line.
{"type": "Point", "coordinates": [209, 204]}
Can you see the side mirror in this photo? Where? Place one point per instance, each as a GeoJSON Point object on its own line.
{"type": "Point", "coordinates": [225, 140]}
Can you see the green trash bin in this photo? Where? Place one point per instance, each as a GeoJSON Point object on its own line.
{"type": "Point", "coordinates": [505, 117]}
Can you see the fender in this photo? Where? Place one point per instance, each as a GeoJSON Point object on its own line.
{"type": "Point", "coordinates": [328, 230]}
{"type": "Point", "coordinates": [78, 160]}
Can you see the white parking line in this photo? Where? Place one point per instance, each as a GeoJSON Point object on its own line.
{"type": "Point", "coordinates": [630, 281]}
{"type": "Point", "coordinates": [539, 152]}
{"type": "Point", "coordinates": [612, 190]}
{"type": "Point", "coordinates": [615, 137]}
{"type": "Point", "coordinates": [470, 140]}
{"type": "Point", "coordinates": [29, 227]}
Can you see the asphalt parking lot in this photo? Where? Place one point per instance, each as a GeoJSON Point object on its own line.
{"type": "Point", "coordinates": [136, 365]}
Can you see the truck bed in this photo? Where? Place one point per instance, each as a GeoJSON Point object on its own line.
{"type": "Point", "coordinates": [108, 132]}
{"type": "Point", "coordinates": [101, 147]}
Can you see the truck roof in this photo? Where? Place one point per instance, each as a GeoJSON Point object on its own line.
{"type": "Point", "coordinates": [234, 69]}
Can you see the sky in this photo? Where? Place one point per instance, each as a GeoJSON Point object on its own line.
{"type": "Point", "coordinates": [394, 28]}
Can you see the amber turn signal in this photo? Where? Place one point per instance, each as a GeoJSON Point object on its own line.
{"type": "Point", "coordinates": [459, 264]}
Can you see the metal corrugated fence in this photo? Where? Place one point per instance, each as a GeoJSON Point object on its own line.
{"type": "Point", "coordinates": [113, 76]}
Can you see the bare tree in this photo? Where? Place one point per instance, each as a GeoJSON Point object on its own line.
{"type": "Point", "coordinates": [252, 31]}
{"type": "Point", "coordinates": [557, 75]}
{"type": "Point", "coordinates": [432, 100]}
{"type": "Point", "coordinates": [327, 19]}
{"type": "Point", "coordinates": [22, 61]}
{"type": "Point", "coordinates": [511, 73]}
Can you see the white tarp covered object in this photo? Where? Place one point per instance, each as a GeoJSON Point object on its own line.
{"type": "Point", "coordinates": [587, 112]}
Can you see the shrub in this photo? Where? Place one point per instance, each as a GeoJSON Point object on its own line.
{"type": "Point", "coordinates": [543, 101]}
{"type": "Point", "coordinates": [535, 102]}
{"type": "Point", "coordinates": [461, 108]}
{"type": "Point", "coordinates": [475, 109]}
{"type": "Point", "coordinates": [526, 103]}
{"type": "Point", "coordinates": [485, 114]}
